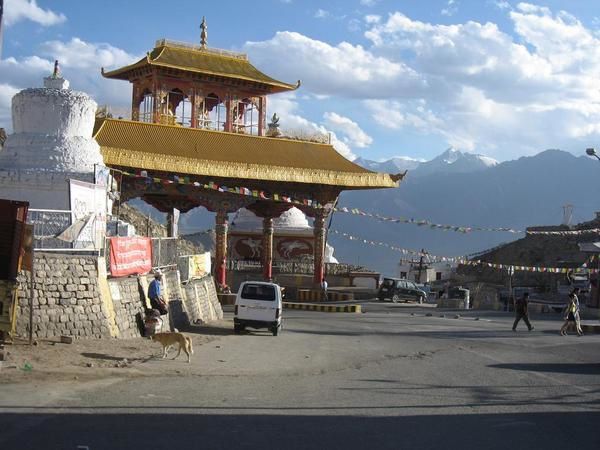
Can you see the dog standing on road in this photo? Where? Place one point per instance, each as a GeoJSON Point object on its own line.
{"type": "Point", "coordinates": [169, 339]}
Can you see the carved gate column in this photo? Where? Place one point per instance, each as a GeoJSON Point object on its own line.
{"type": "Point", "coordinates": [319, 249]}
{"type": "Point", "coordinates": [267, 248]}
{"type": "Point", "coordinates": [221, 248]}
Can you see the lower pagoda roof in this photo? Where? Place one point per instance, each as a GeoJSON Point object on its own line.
{"type": "Point", "coordinates": [199, 152]}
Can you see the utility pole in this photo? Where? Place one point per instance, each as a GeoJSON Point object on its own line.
{"type": "Point", "coordinates": [421, 265]}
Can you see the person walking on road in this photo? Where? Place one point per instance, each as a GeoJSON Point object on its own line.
{"type": "Point", "coordinates": [577, 313]}
{"type": "Point", "coordinates": [324, 289]}
{"type": "Point", "coordinates": [521, 312]}
{"type": "Point", "coordinates": [570, 316]}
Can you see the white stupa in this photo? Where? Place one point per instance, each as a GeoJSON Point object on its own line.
{"type": "Point", "coordinates": [51, 143]}
{"type": "Point", "coordinates": [291, 222]}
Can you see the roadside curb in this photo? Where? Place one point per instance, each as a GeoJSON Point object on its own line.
{"type": "Point", "coordinates": [324, 308]}
{"type": "Point", "coordinates": [591, 328]}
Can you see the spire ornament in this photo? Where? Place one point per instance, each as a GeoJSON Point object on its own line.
{"type": "Point", "coordinates": [203, 32]}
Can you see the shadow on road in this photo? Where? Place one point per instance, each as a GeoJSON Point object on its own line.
{"type": "Point", "coordinates": [575, 369]}
{"type": "Point", "coordinates": [155, 429]}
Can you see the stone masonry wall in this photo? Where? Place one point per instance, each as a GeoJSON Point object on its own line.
{"type": "Point", "coordinates": [72, 298]}
{"type": "Point", "coordinates": [129, 299]}
{"type": "Point", "coordinates": [66, 299]}
{"type": "Point", "coordinates": [201, 301]}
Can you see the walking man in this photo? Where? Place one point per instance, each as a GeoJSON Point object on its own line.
{"type": "Point", "coordinates": [324, 289]}
{"type": "Point", "coordinates": [521, 312]}
{"type": "Point", "coordinates": [577, 312]}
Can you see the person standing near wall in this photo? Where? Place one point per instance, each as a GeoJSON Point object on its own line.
{"type": "Point", "coordinates": [155, 295]}
{"type": "Point", "coordinates": [522, 312]}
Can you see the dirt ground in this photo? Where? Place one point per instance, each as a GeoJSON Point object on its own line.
{"type": "Point", "coordinates": [86, 359]}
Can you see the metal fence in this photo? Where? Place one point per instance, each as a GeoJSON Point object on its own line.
{"type": "Point", "coordinates": [293, 267]}
{"type": "Point", "coordinates": [50, 223]}
{"type": "Point", "coordinates": [164, 252]}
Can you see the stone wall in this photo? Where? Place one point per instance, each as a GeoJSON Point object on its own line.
{"type": "Point", "coordinates": [66, 299]}
{"type": "Point", "coordinates": [201, 301]}
{"type": "Point", "coordinates": [73, 297]}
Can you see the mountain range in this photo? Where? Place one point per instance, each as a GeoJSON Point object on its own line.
{"type": "Point", "coordinates": [455, 188]}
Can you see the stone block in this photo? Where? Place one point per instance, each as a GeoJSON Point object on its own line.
{"type": "Point", "coordinates": [66, 294]}
{"type": "Point", "coordinates": [71, 287]}
{"type": "Point", "coordinates": [96, 308]}
{"type": "Point", "coordinates": [84, 280]}
{"type": "Point", "coordinates": [63, 318]}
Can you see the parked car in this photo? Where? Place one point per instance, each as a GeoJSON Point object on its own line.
{"type": "Point", "coordinates": [258, 305]}
{"type": "Point", "coordinates": [397, 289]}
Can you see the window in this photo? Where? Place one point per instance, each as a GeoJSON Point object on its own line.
{"type": "Point", "coordinates": [259, 292]}
{"type": "Point", "coordinates": [403, 274]}
{"type": "Point", "coordinates": [438, 276]}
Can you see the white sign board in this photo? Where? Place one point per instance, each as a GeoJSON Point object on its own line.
{"type": "Point", "coordinates": [89, 199]}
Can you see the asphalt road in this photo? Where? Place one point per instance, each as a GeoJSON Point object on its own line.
{"type": "Point", "coordinates": [391, 377]}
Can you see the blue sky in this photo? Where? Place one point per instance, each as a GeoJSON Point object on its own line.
{"type": "Point", "coordinates": [386, 78]}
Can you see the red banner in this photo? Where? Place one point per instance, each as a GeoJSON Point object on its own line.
{"type": "Point", "coordinates": [130, 256]}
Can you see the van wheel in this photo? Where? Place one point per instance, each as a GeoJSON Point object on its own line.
{"type": "Point", "coordinates": [275, 330]}
{"type": "Point", "coordinates": [395, 298]}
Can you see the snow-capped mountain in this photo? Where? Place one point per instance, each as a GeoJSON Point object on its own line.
{"type": "Point", "coordinates": [451, 161]}
{"type": "Point", "coordinates": [455, 161]}
{"type": "Point", "coordinates": [397, 164]}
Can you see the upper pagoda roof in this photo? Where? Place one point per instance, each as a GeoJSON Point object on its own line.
{"type": "Point", "coordinates": [200, 60]}
{"type": "Point", "coordinates": [207, 153]}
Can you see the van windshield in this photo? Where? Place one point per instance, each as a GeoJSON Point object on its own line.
{"type": "Point", "coordinates": [258, 292]}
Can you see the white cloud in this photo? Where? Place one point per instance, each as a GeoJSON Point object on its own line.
{"type": "Point", "coordinates": [19, 10]}
{"type": "Point", "coordinates": [354, 136]}
{"type": "Point", "coordinates": [287, 108]}
{"type": "Point", "coordinates": [450, 9]}
{"type": "Point", "coordinates": [502, 4]}
{"type": "Point", "coordinates": [321, 14]}
{"type": "Point", "coordinates": [80, 63]}
{"type": "Point", "coordinates": [342, 70]}
{"type": "Point", "coordinates": [490, 90]}
{"type": "Point", "coordinates": [372, 19]}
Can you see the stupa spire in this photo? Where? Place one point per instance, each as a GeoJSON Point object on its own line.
{"type": "Point", "coordinates": [203, 33]}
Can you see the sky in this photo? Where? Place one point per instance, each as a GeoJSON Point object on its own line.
{"type": "Point", "coordinates": [386, 78]}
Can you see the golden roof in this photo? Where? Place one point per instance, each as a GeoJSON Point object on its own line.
{"type": "Point", "coordinates": [190, 58]}
{"type": "Point", "coordinates": [219, 154]}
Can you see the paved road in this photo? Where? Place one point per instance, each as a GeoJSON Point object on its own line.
{"type": "Point", "coordinates": [389, 378]}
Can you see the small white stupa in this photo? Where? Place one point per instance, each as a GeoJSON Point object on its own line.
{"type": "Point", "coordinates": [292, 233]}
{"type": "Point", "coordinates": [51, 143]}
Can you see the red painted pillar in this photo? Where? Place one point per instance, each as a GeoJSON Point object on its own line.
{"type": "Point", "coordinates": [221, 248]}
{"type": "Point", "coordinates": [319, 248]}
{"type": "Point", "coordinates": [267, 248]}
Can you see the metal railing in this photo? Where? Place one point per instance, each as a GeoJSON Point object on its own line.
{"type": "Point", "coordinates": [164, 252]}
{"type": "Point", "coordinates": [50, 223]}
{"type": "Point", "coordinates": [293, 267]}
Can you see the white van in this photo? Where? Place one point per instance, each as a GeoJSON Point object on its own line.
{"type": "Point", "coordinates": [258, 305]}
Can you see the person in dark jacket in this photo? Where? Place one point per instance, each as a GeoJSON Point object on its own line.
{"type": "Point", "coordinates": [521, 312]}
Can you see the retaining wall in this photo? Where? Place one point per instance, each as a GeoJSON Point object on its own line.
{"type": "Point", "coordinates": [72, 296]}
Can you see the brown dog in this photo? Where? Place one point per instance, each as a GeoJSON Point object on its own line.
{"type": "Point", "coordinates": [169, 339]}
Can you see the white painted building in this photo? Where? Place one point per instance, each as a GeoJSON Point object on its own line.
{"type": "Point", "coordinates": [428, 272]}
